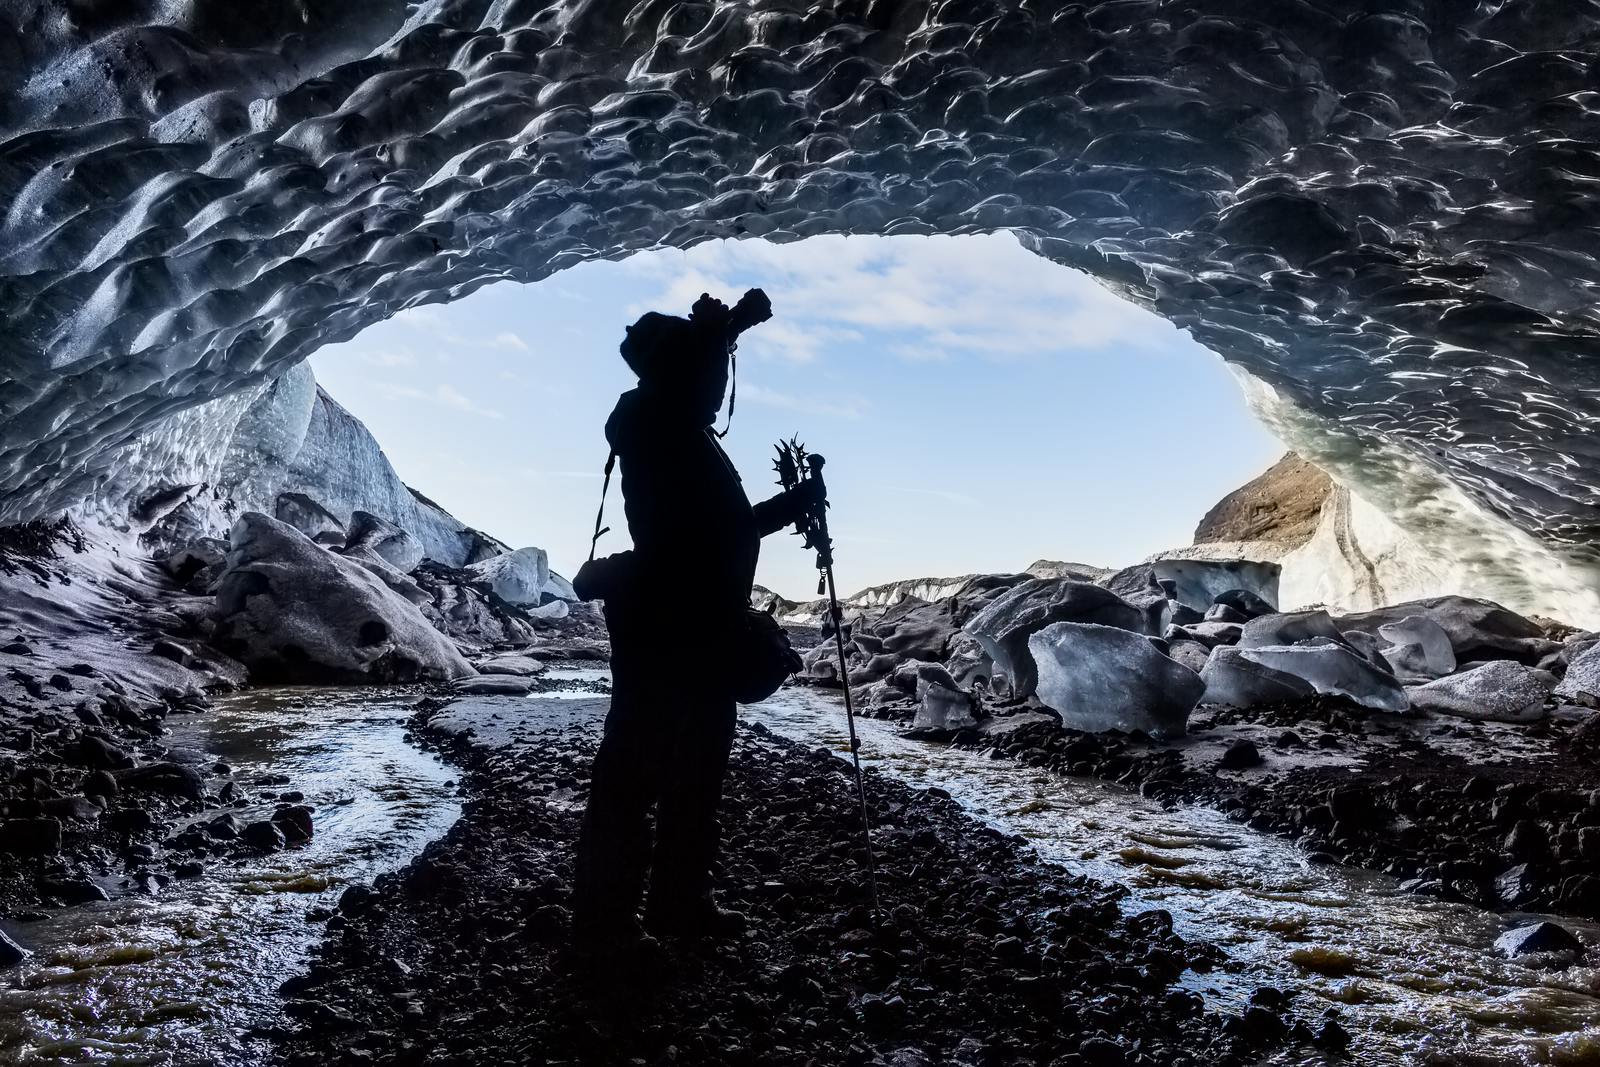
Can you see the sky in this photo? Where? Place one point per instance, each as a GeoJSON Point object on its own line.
{"type": "Point", "coordinates": [980, 407]}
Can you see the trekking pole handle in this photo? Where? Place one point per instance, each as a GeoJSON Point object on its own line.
{"type": "Point", "coordinates": [824, 543]}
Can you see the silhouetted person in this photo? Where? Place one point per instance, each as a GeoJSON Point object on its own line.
{"type": "Point", "coordinates": [671, 606]}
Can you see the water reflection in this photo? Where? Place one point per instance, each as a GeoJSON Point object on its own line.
{"type": "Point", "coordinates": [181, 978]}
{"type": "Point", "coordinates": [1416, 979]}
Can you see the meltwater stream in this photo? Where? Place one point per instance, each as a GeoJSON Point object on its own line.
{"type": "Point", "coordinates": [180, 978]}
{"type": "Point", "coordinates": [1416, 979]}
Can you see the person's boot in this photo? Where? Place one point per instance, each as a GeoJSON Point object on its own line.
{"type": "Point", "coordinates": [602, 948]}
{"type": "Point", "coordinates": [694, 918]}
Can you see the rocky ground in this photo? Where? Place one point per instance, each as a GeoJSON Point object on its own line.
{"type": "Point", "coordinates": [980, 954]}
{"type": "Point", "coordinates": [103, 639]}
{"type": "Point", "coordinates": [96, 653]}
{"type": "Point", "coordinates": [1484, 813]}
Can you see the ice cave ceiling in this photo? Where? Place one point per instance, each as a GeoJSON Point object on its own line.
{"type": "Point", "coordinates": [1384, 212]}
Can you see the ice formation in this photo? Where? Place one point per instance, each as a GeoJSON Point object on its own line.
{"type": "Point", "coordinates": [1379, 214]}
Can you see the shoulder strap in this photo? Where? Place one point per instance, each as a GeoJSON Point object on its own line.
{"type": "Point", "coordinates": [600, 516]}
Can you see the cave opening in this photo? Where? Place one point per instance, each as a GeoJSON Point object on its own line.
{"type": "Point", "coordinates": [984, 408]}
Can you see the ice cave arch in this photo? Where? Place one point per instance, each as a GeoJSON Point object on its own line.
{"type": "Point", "coordinates": [1380, 214]}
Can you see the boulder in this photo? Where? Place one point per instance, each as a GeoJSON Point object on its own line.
{"type": "Point", "coordinates": [1478, 629]}
{"type": "Point", "coordinates": [11, 953]}
{"type": "Point", "coordinates": [1538, 937]}
{"type": "Point", "coordinates": [384, 539]}
{"type": "Point", "coordinates": [917, 629]}
{"type": "Point", "coordinates": [1209, 634]}
{"type": "Point", "coordinates": [505, 685]}
{"type": "Point", "coordinates": [1234, 679]}
{"type": "Point", "coordinates": [30, 837]}
{"type": "Point", "coordinates": [1335, 669]}
{"type": "Point", "coordinates": [1138, 587]}
{"type": "Point", "coordinates": [1245, 603]}
{"type": "Point", "coordinates": [1191, 654]}
{"type": "Point", "coordinates": [558, 586]}
{"type": "Point", "coordinates": [293, 611]}
{"type": "Point", "coordinates": [1226, 613]}
{"type": "Point", "coordinates": [1370, 647]}
{"type": "Point", "coordinates": [1108, 678]}
{"type": "Point", "coordinates": [1582, 682]}
{"type": "Point", "coordinates": [196, 565]}
{"type": "Point", "coordinates": [521, 666]}
{"type": "Point", "coordinates": [1005, 627]}
{"type": "Point", "coordinates": [1416, 648]}
{"type": "Point", "coordinates": [967, 662]}
{"type": "Point", "coordinates": [941, 704]}
{"type": "Point", "coordinates": [519, 577]}
{"type": "Point", "coordinates": [169, 779]}
{"type": "Point", "coordinates": [1499, 691]}
{"type": "Point", "coordinates": [1197, 583]}
{"type": "Point", "coordinates": [307, 516]}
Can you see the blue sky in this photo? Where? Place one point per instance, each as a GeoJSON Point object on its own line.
{"type": "Point", "coordinates": [980, 407]}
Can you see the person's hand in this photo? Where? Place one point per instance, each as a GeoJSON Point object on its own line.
{"type": "Point", "coordinates": [810, 495]}
{"type": "Point", "coordinates": [709, 310]}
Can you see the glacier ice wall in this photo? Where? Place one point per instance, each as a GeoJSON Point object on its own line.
{"type": "Point", "coordinates": [244, 451]}
{"type": "Point", "coordinates": [1383, 212]}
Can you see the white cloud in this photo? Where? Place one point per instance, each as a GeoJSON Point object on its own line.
{"type": "Point", "coordinates": [509, 341]}
{"type": "Point", "coordinates": [936, 298]}
{"type": "Point", "coordinates": [844, 408]}
{"type": "Point", "coordinates": [390, 357]}
{"type": "Point", "coordinates": [442, 395]}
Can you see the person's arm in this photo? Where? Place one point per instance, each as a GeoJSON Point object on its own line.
{"type": "Point", "coordinates": [785, 509]}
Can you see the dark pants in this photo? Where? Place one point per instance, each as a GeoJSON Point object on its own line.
{"type": "Point", "coordinates": [666, 744]}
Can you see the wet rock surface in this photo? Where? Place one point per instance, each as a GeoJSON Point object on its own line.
{"type": "Point", "coordinates": [1501, 817]}
{"type": "Point", "coordinates": [981, 954]}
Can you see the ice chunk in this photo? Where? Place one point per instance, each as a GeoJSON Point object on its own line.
{"type": "Point", "coordinates": [1582, 682]}
{"type": "Point", "coordinates": [1107, 678]}
{"type": "Point", "coordinates": [1005, 626]}
{"type": "Point", "coordinates": [1500, 691]}
{"type": "Point", "coordinates": [1233, 678]}
{"type": "Point", "coordinates": [1336, 669]}
{"type": "Point", "coordinates": [519, 577]}
{"type": "Point", "coordinates": [1417, 649]}
{"type": "Point", "coordinates": [384, 539]}
{"type": "Point", "coordinates": [293, 611]}
{"type": "Point", "coordinates": [1198, 582]}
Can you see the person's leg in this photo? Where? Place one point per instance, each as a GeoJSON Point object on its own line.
{"type": "Point", "coordinates": [614, 842]}
{"type": "Point", "coordinates": [687, 830]}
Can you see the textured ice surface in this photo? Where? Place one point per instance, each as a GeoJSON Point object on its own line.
{"type": "Point", "coordinates": [519, 577]}
{"type": "Point", "coordinates": [1104, 678]}
{"type": "Point", "coordinates": [1501, 691]}
{"type": "Point", "coordinates": [1198, 582]}
{"type": "Point", "coordinates": [1335, 669]}
{"type": "Point", "coordinates": [1381, 216]}
{"type": "Point", "coordinates": [293, 611]}
{"type": "Point", "coordinates": [1006, 626]}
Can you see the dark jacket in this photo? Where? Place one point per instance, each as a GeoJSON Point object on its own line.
{"type": "Point", "coordinates": [696, 537]}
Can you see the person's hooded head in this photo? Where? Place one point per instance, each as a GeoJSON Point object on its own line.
{"type": "Point", "coordinates": [680, 362]}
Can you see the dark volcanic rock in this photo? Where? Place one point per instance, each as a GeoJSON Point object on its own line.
{"type": "Point", "coordinates": [481, 919]}
{"type": "Point", "coordinates": [30, 837]}
{"type": "Point", "coordinates": [11, 953]}
{"type": "Point", "coordinates": [1540, 937]}
{"type": "Point", "coordinates": [1284, 504]}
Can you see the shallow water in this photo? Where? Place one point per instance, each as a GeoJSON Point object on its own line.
{"type": "Point", "coordinates": [1416, 979]}
{"type": "Point", "coordinates": [180, 978]}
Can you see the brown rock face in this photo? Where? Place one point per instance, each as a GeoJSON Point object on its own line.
{"type": "Point", "coordinates": [1282, 505]}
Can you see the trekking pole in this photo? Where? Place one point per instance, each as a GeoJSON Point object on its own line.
{"type": "Point", "coordinates": [795, 465]}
